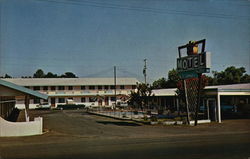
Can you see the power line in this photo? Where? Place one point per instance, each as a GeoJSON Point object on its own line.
{"type": "Point", "coordinates": [144, 9]}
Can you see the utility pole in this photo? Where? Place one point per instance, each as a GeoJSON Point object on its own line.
{"type": "Point", "coordinates": [115, 83]}
{"type": "Point", "coordinates": [145, 70]}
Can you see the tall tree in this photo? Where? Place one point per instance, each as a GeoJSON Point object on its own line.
{"type": "Point", "coordinates": [231, 75]}
{"type": "Point", "coordinates": [160, 83]}
{"type": "Point", "coordinates": [68, 75]}
{"type": "Point", "coordinates": [51, 75]}
{"type": "Point", "coordinates": [39, 74]}
{"type": "Point", "coordinates": [173, 78]}
{"type": "Point", "coordinates": [140, 96]}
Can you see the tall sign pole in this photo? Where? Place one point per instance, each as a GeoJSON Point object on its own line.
{"type": "Point", "coordinates": [115, 83]}
{"type": "Point", "coordinates": [192, 66]}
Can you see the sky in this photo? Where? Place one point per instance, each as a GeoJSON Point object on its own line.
{"type": "Point", "coordinates": [90, 37]}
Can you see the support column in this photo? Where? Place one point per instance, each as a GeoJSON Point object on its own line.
{"type": "Point", "coordinates": [207, 104]}
{"type": "Point", "coordinates": [27, 102]}
{"type": "Point", "coordinates": [218, 108]}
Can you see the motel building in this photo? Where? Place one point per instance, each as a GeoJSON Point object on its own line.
{"type": "Point", "coordinates": [87, 91]}
{"type": "Point", "coordinates": [217, 103]}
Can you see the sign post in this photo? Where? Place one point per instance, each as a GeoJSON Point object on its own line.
{"type": "Point", "coordinates": [192, 66]}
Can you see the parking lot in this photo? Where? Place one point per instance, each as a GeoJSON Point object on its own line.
{"type": "Point", "coordinates": [77, 134]}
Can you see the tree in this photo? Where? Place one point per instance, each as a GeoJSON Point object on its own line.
{"type": "Point", "coordinates": [140, 96]}
{"type": "Point", "coordinates": [231, 75]}
{"type": "Point", "coordinates": [160, 83]}
{"type": "Point", "coordinates": [173, 78]}
{"type": "Point", "coordinates": [39, 74]}
{"type": "Point", "coordinates": [68, 75]}
{"type": "Point", "coordinates": [7, 76]}
{"type": "Point", "coordinates": [51, 75]}
{"type": "Point", "coordinates": [172, 81]}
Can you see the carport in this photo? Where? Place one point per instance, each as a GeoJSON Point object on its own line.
{"type": "Point", "coordinates": [233, 95]}
{"type": "Point", "coordinates": [8, 92]}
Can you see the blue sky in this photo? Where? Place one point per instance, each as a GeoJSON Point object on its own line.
{"type": "Point", "coordinates": [89, 37]}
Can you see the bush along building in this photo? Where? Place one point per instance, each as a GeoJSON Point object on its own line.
{"type": "Point", "coordinates": [87, 91]}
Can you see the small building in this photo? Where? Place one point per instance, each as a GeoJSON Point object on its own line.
{"type": "Point", "coordinates": [88, 91]}
{"type": "Point", "coordinates": [217, 102]}
{"type": "Point", "coordinates": [8, 93]}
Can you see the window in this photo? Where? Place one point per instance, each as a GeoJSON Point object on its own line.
{"type": "Point", "coordinates": [106, 87]}
{"type": "Point", "coordinates": [112, 87]}
{"type": "Point", "coordinates": [82, 87]}
{"type": "Point", "coordinates": [27, 87]}
{"type": "Point", "coordinates": [61, 100]}
{"type": "Point", "coordinates": [99, 87]}
{"type": "Point", "coordinates": [92, 99]}
{"type": "Point", "coordinates": [122, 87]}
{"type": "Point", "coordinates": [112, 98]}
{"type": "Point", "coordinates": [36, 88]}
{"type": "Point", "coordinates": [83, 99]}
{"type": "Point", "coordinates": [45, 88]}
{"type": "Point", "coordinates": [61, 88]}
{"type": "Point", "coordinates": [53, 88]}
{"type": "Point", "coordinates": [36, 101]}
{"type": "Point", "coordinates": [133, 86]}
{"type": "Point", "coordinates": [70, 87]}
{"type": "Point", "coordinates": [92, 87]}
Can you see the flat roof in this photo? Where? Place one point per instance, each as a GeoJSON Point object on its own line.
{"type": "Point", "coordinates": [22, 89]}
{"type": "Point", "coordinates": [70, 81]}
{"type": "Point", "coordinates": [224, 89]}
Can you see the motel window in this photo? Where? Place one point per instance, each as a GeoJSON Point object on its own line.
{"type": "Point", "coordinates": [83, 88]}
{"type": "Point", "coordinates": [61, 88]}
{"type": "Point", "coordinates": [61, 100]}
{"type": "Point", "coordinates": [27, 87]}
{"type": "Point", "coordinates": [112, 98]}
{"type": "Point", "coordinates": [112, 87]}
{"type": "Point", "coordinates": [92, 87]}
{"type": "Point", "coordinates": [53, 88]}
{"type": "Point", "coordinates": [99, 87]}
{"type": "Point", "coordinates": [106, 87]}
{"type": "Point", "coordinates": [36, 88]}
{"type": "Point", "coordinates": [133, 86]}
{"type": "Point", "coordinates": [122, 87]}
{"type": "Point", "coordinates": [83, 99]}
{"type": "Point", "coordinates": [36, 101]}
{"type": "Point", "coordinates": [70, 88]}
{"type": "Point", "coordinates": [92, 99]}
{"type": "Point", "coordinates": [45, 88]}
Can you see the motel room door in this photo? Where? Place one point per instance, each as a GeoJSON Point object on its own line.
{"type": "Point", "coordinates": [53, 102]}
{"type": "Point", "coordinates": [211, 103]}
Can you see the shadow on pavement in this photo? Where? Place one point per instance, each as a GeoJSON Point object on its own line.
{"type": "Point", "coordinates": [118, 123]}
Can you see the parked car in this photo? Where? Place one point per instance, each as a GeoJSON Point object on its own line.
{"type": "Point", "coordinates": [43, 106]}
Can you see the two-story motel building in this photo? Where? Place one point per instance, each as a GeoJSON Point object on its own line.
{"type": "Point", "coordinates": [95, 91]}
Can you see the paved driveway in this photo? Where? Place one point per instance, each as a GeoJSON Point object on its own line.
{"type": "Point", "coordinates": [76, 134]}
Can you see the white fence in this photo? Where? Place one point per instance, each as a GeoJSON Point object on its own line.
{"type": "Point", "coordinates": [21, 128]}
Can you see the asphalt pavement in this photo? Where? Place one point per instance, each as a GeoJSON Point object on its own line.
{"type": "Point", "coordinates": [77, 134]}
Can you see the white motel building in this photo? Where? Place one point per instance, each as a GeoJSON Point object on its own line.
{"type": "Point", "coordinates": [94, 91]}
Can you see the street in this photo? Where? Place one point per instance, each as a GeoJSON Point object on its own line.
{"type": "Point", "coordinates": [76, 134]}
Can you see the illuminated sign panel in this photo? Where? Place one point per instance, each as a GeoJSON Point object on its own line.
{"type": "Point", "coordinates": [194, 62]}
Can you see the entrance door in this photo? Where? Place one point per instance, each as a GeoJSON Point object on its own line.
{"type": "Point", "coordinates": [53, 102]}
{"type": "Point", "coordinates": [212, 109]}
{"type": "Point", "coordinates": [106, 101]}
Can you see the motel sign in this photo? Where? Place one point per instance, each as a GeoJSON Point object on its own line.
{"type": "Point", "coordinates": [195, 63]}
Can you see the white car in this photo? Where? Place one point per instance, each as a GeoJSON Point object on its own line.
{"type": "Point", "coordinates": [43, 105]}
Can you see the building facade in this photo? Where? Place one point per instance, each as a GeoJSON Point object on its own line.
{"type": "Point", "coordinates": [88, 91]}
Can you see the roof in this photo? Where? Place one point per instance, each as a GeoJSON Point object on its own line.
{"type": "Point", "coordinates": [70, 81]}
{"type": "Point", "coordinates": [235, 87]}
{"type": "Point", "coordinates": [22, 89]}
{"type": "Point", "coordinates": [224, 89]}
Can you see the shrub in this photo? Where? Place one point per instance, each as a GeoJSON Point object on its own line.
{"type": "Point", "coordinates": [71, 106]}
